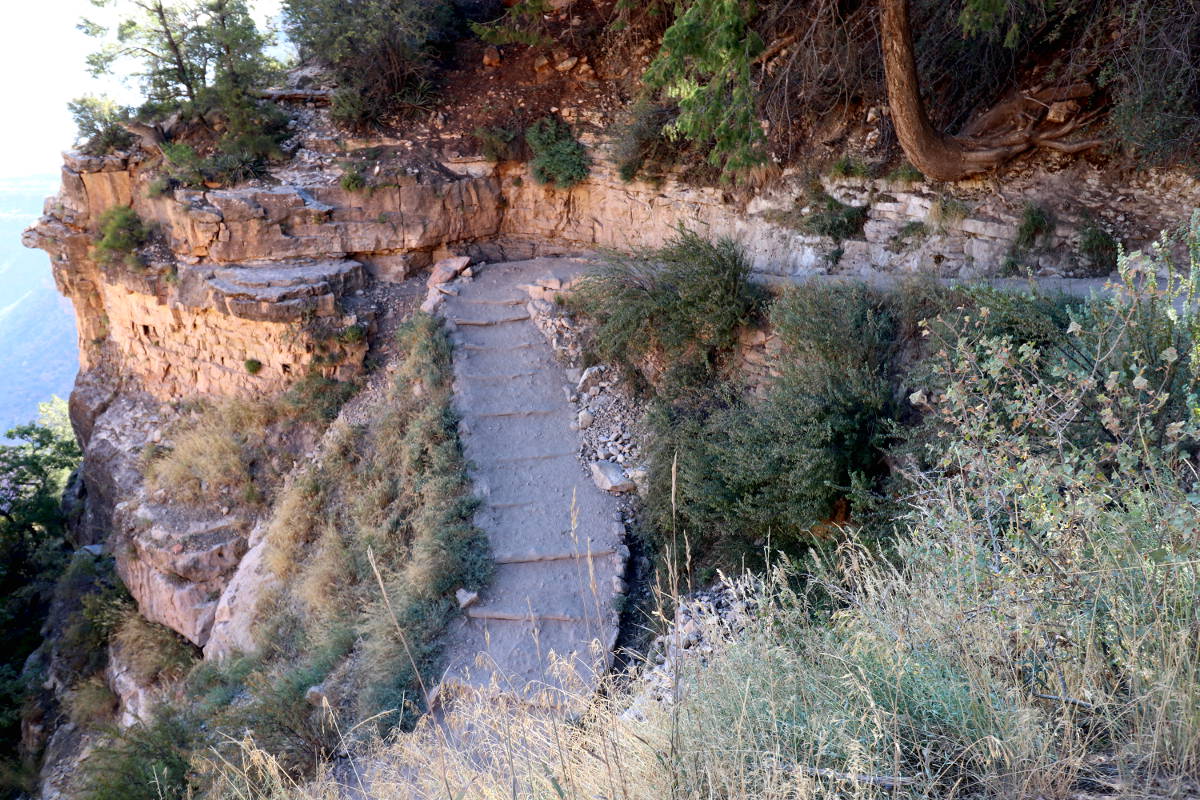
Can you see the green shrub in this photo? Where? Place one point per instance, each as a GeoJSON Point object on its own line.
{"type": "Point", "coordinates": [253, 366]}
{"type": "Point", "coordinates": [523, 23]}
{"type": "Point", "coordinates": [641, 142]}
{"type": "Point", "coordinates": [158, 187]}
{"type": "Point", "coordinates": [381, 51]}
{"type": "Point", "coordinates": [558, 157]}
{"type": "Point", "coordinates": [352, 334]}
{"type": "Point", "coordinates": [98, 121]}
{"type": "Point", "coordinates": [317, 398]}
{"type": "Point", "coordinates": [90, 703]}
{"type": "Point", "coordinates": [147, 761]}
{"type": "Point", "coordinates": [850, 167]}
{"type": "Point", "coordinates": [1035, 223]}
{"type": "Point", "coordinates": [905, 172]}
{"type": "Point", "coordinates": [834, 219]}
{"type": "Point", "coordinates": [1099, 248]}
{"type": "Point", "coordinates": [705, 63]}
{"type": "Point", "coordinates": [353, 180]}
{"type": "Point", "coordinates": [497, 144]}
{"type": "Point", "coordinates": [121, 234]}
{"type": "Point", "coordinates": [683, 303]}
{"type": "Point", "coordinates": [739, 467]}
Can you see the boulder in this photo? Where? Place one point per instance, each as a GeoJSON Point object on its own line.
{"type": "Point", "coordinates": [610, 477]}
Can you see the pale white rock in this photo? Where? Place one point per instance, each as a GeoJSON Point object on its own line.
{"type": "Point", "coordinates": [610, 477]}
{"type": "Point", "coordinates": [447, 270]}
{"type": "Point", "coordinates": [585, 419]}
{"type": "Point", "coordinates": [466, 598]}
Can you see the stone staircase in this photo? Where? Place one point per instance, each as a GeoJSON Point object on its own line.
{"type": "Point", "coordinates": [544, 630]}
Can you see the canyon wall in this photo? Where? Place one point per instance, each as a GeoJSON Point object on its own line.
{"type": "Point", "coordinates": [243, 291]}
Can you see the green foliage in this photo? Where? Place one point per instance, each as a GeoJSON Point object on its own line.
{"type": "Point", "coordinates": [148, 761]}
{"type": "Point", "coordinates": [33, 471]}
{"type": "Point", "coordinates": [497, 144]}
{"type": "Point", "coordinates": [193, 55]}
{"type": "Point", "coordinates": [1099, 248]}
{"type": "Point", "coordinates": [121, 234]}
{"type": "Point", "coordinates": [558, 157]}
{"type": "Point", "coordinates": [98, 121]}
{"type": "Point", "coordinates": [682, 304]}
{"type": "Point", "coordinates": [523, 23]}
{"type": "Point", "coordinates": [834, 219]}
{"type": "Point", "coordinates": [380, 51]}
{"type": "Point", "coordinates": [317, 398]}
{"type": "Point", "coordinates": [850, 167]}
{"type": "Point", "coordinates": [253, 366]}
{"type": "Point", "coordinates": [642, 142]}
{"type": "Point", "coordinates": [743, 468]}
{"type": "Point", "coordinates": [905, 172]}
{"type": "Point", "coordinates": [353, 180]}
{"type": "Point", "coordinates": [704, 64]}
{"type": "Point", "coordinates": [1035, 223]}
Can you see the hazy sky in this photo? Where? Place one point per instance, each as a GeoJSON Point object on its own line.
{"type": "Point", "coordinates": [42, 67]}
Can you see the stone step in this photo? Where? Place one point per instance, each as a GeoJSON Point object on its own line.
{"type": "Point", "coordinates": [578, 589]}
{"type": "Point", "coordinates": [544, 529]}
{"type": "Point", "coordinates": [514, 658]}
{"type": "Point", "coordinates": [488, 359]}
{"type": "Point", "coordinates": [506, 320]}
{"type": "Point", "coordinates": [480, 390]}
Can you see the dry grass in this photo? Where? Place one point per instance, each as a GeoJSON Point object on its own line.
{"type": "Point", "coordinates": [213, 453]}
{"type": "Point", "coordinates": [91, 702]}
{"type": "Point", "coordinates": [154, 653]}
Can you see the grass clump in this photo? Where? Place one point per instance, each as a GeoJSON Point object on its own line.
{"type": "Point", "coordinates": [945, 213]}
{"type": "Point", "coordinates": [1099, 248]}
{"type": "Point", "coordinates": [253, 366]}
{"type": "Point", "coordinates": [353, 180]}
{"type": "Point", "coordinates": [153, 653]}
{"type": "Point", "coordinates": [122, 232]}
{"type": "Point", "coordinates": [236, 451]}
{"type": "Point", "coordinates": [682, 304]}
{"type": "Point", "coordinates": [848, 166]}
{"type": "Point", "coordinates": [388, 549]}
{"type": "Point", "coordinates": [832, 218]}
{"type": "Point", "coordinates": [558, 157]}
{"type": "Point", "coordinates": [90, 703]}
{"type": "Point", "coordinates": [906, 173]}
{"type": "Point", "coordinates": [498, 143]}
{"type": "Point", "coordinates": [1035, 223]}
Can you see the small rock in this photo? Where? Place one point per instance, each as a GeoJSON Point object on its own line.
{"type": "Point", "coordinates": [465, 598]}
{"type": "Point", "coordinates": [447, 269]}
{"type": "Point", "coordinates": [567, 64]}
{"type": "Point", "coordinates": [585, 419]}
{"type": "Point", "coordinates": [590, 378]}
{"type": "Point", "coordinates": [610, 477]}
{"type": "Point", "coordinates": [541, 64]}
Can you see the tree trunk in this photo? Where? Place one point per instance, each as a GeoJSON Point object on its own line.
{"type": "Point", "coordinates": [949, 158]}
{"type": "Point", "coordinates": [937, 156]}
